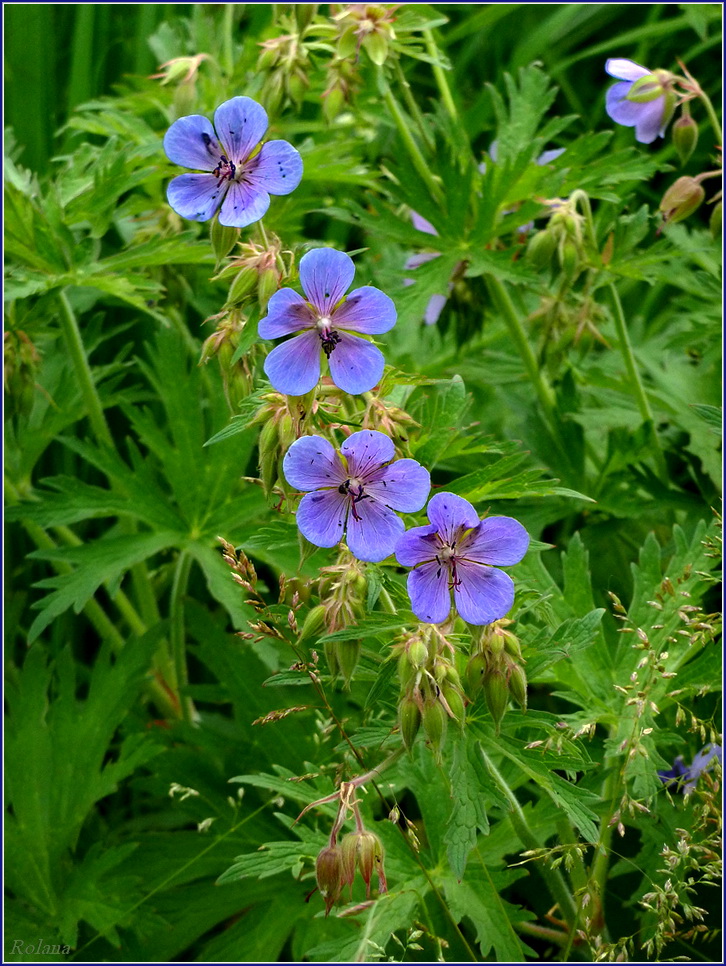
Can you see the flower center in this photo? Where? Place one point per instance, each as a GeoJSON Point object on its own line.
{"type": "Point", "coordinates": [353, 488]}
{"type": "Point", "coordinates": [225, 170]}
{"type": "Point", "coordinates": [328, 336]}
{"type": "Point", "coordinates": [446, 557]}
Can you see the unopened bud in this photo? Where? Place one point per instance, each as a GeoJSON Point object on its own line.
{"type": "Point", "coordinates": [267, 285]}
{"type": "Point", "coordinates": [331, 656]}
{"type": "Point", "coordinates": [409, 718]}
{"type": "Point", "coordinates": [313, 624]}
{"type": "Point", "coordinates": [268, 455]}
{"type": "Point", "coordinates": [242, 286]}
{"type": "Point", "coordinates": [363, 849]}
{"type": "Point", "coordinates": [376, 46]}
{"type": "Point", "coordinates": [496, 693]}
{"type": "Point", "coordinates": [541, 248]}
{"type": "Point", "coordinates": [329, 874]}
{"type": "Point", "coordinates": [223, 238]}
{"type": "Point", "coordinates": [455, 702]}
{"type": "Point", "coordinates": [333, 103]}
{"type": "Point", "coordinates": [347, 43]}
{"type": "Point", "coordinates": [715, 222]}
{"type": "Point", "coordinates": [682, 198]}
{"type": "Point", "coordinates": [435, 721]}
{"type": "Point", "coordinates": [518, 685]}
{"type": "Point", "coordinates": [474, 674]}
{"type": "Point", "coordinates": [417, 654]}
{"type": "Point", "coordinates": [348, 657]}
{"type": "Point", "coordinates": [685, 137]}
{"type": "Point", "coordinates": [569, 258]}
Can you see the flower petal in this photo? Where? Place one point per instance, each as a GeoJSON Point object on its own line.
{"type": "Point", "coordinates": [374, 535]}
{"type": "Point", "coordinates": [367, 451]}
{"type": "Point", "coordinates": [623, 69]}
{"type": "Point", "coordinates": [243, 205]}
{"type": "Point", "coordinates": [651, 123]}
{"type": "Point", "coordinates": [484, 594]}
{"type": "Point", "coordinates": [278, 168]}
{"type": "Point", "coordinates": [434, 309]}
{"type": "Point", "coordinates": [293, 367]}
{"type": "Point", "coordinates": [287, 312]}
{"type": "Point", "coordinates": [240, 124]}
{"type": "Point", "coordinates": [621, 111]}
{"type": "Point", "coordinates": [326, 275]}
{"type": "Point", "coordinates": [415, 261]}
{"type": "Point", "coordinates": [421, 224]}
{"type": "Point", "coordinates": [321, 517]}
{"type": "Point", "coordinates": [355, 364]}
{"type": "Point", "coordinates": [449, 513]}
{"type": "Point", "coordinates": [311, 462]}
{"type": "Point", "coordinates": [195, 196]}
{"type": "Point", "coordinates": [547, 157]}
{"type": "Point", "coordinates": [404, 485]}
{"type": "Point", "coordinates": [366, 309]}
{"type": "Point", "coordinates": [418, 545]}
{"type": "Point", "coordinates": [428, 588]}
{"type": "Point", "coordinates": [192, 143]}
{"type": "Point", "coordinates": [498, 541]}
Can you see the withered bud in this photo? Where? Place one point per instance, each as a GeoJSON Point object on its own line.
{"type": "Point", "coordinates": [682, 198]}
{"type": "Point", "coordinates": [329, 874]}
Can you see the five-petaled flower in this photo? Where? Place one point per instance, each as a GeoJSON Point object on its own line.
{"type": "Point", "coordinates": [459, 552]}
{"type": "Point", "coordinates": [357, 495]}
{"type": "Point", "coordinates": [685, 777]}
{"type": "Point", "coordinates": [652, 110]}
{"type": "Point", "coordinates": [328, 322]}
{"type": "Point", "coordinates": [240, 179]}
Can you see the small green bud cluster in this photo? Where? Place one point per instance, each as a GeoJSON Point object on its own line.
{"type": "Point", "coordinates": [495, 668]}
{"type": "Point", "coordinates": [561, 239]}
{"type": "Point", "coordinates": [431, 690]}
{"type": "Point", "coordinates": [237, 373]}
{"type": "Point", "coordinates": [182, 73]}
{"type": "Point", "coordinates": [285, 60]}
{"type": "Point", "coordinates": [366, 25]}
{"type": "Point", "coordinates": [257, 271]}
{"type": "Point", "coordinates": [341, 85]}
{"type": "Point", "coordinates": [343, 591]}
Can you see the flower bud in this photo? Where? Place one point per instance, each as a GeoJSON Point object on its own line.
{"type": "Point", "coordinates": [455, 702]}
{"type": "Point", "coordinates": [569, 258]}
{"type": "Point", "coordinates": [333, 103]}
{"type": "Point", "coordinates": [541, 248]}
{"type": "Point", "coordinates": [347, 43]}
{"type": "Point", "coordinates": [267, 285]}
{"type": "Point", "coordinates": [435, 721]}
{"type": "Point", "coordinates": [223, 238]}
{"type": "Point", "coordinates": [409, 718]}
{"type": "Point", "coordinates": [363, 849]}
{"type": "Point", "coordinates": [496, 693]}
{"type": "Point", "coordinates": [518, 685]}
{"type": "Point", "coordinates": [474, 674]}
{"type": "Point", "coordinates": [348, 653]}
{"type": "Point", "coordinates": [329, 874]}
{"type": "Point", "coordinates": [417, 654]}
{"type": "Point", "coordinates": [682, 198]}
{"type": "Point", "coordinates": [716, 220]}
{"type": "Point", "coordinates": [376, 46]}
{"type": "Point", "coordinates": [331, 656]}
{"type": "Point", "coordinates": [313, 624]}
{"type": "Point", "coordinates": [685, 137]}
{"type": "Point", "coordinates": [268, 446]}
{"type": "Point", "coordinates": [242, 286]}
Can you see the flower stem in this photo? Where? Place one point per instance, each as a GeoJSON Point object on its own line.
{"type": "Point", "coordinates": [413, 107]}
{"type": "Point", "coordinates": [414, 152]}
{"type": "Point", "coordinates": [77, 352]}
{"type": "Point", "coordinates": [636, 384]}
{"type": "Point", "coordinates": [227, 45]}
{"type": "Point", "coordinates": [177, 632]}
{"type": "Point", "coordinates": [439, 74]}
{"type": "Point", "coordinates": [712, 116]}
{"type": "Point", "coordinates": [553, 877]}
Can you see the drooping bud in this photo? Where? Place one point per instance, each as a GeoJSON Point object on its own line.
{"type": "Point", "coordinates": [682, 198]}
{"type": "Point", "coordinates": [541, 248]}
{"type": "Point", "coordinates": [496, 693]}
{"type": "Point", "coordinates": [331, 656]}
{"type": "Point", "coordinates": [685, 136]}
{"type": "Point", "coordinates": [435, 721]}
{"type": "Point", "coordinates": [518, 685]}
{"type": "Point", "coordinates": [329, 875]}
{"type": "Point", "coordinates": [348, 653]}
{"type": "Point", "coordinates": [715, 222]}
{"type": "Point", "coordinates": [364, 850]}
{"type": "Point", "coordinates": [455, 702]}
{"type": "Point", "coordinates": [313, 624]}
{"type": "Point", "coordinates": [409, 719]}
{"type": "Point", "coordinates": [474, 674]}
{"type": "Point", "coordinates": [268, 445]}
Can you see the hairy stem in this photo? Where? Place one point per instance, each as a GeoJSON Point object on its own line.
{"type": "Point", "coordinates": [178, 632]}
{"type": "Point", "coordinates": [439, 75]}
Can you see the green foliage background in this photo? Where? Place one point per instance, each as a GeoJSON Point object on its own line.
{"type": "Point", "coordinates": [121, 613]}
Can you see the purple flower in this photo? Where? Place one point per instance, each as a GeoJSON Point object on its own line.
{"type": "Point", "coordinates": [241, 180]}
{"type": "Point", "coordinates": [437, 302]}
{"type": "Point", "coordinates": [685, 777]}
{"type": "Point", "coordinates": [357, 495]}
{"type": "Point", "coordinates": [649, 118]}
{"type": "Point", "coordinates": [458, 552]}
{"type": "Point", "coordinates": [328, 321]}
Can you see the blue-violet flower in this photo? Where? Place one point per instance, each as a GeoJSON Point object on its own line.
{"type": "Point", "coordinates": [652, 110]}
{"type": "Point", "coordinates": [459, 552]}
{"type": "Point", "coordinates": [329, 322]}
{"type": "Point", "coordinates": [685, 777]}
{"type": "Point", "coordinates": [240, 179]}
{"type": "Point", "coordinates": [356, 495]}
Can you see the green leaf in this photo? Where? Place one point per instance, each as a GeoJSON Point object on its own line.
{"type": "Point", "coordinates": [468, 814]}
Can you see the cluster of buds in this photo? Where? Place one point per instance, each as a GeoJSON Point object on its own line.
{"type": "Point", "coordinates": [20, 365]}
{"type": "Point", "coordinates": [563, 238]}
{"type": "Point", "coordinates": [257, 270]}
{"type": "Point", "coordinates": [283, 420]}
{"type": "Point", "coordinates": [224, 344]}
{"type": "Point", "coordinates": [367, 25]}
{"type": "Point", "coordinates": [343, 588]}
{"type": "Point", "coordinates": [431, 691]}
{"type": "Point", "coordinates": [384, 418]}
{"type": "Point", "coordinates": [285, 59]}
{"type": "Point", "coordinates": [361, 850]}
{"type": "Point", "coordinates": [182, 72]}
{"type": "Point", "coordinates": [342, 81]}
{"type": "Point", "coordinates": [495, 668]}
